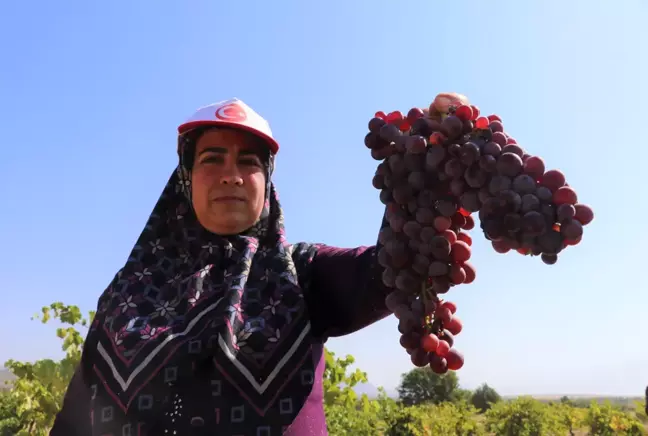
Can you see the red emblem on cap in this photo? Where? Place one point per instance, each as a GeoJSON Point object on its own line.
{"type": "Point", "coordinates": [231, 112]}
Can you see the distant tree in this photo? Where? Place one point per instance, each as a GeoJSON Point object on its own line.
{"type": "Point", "coordinates": [565, 400]}
{"type": "Point", "coordinates": [484, 397]}
{"type": "Point", "coordinates": [422, 385]}
{"type": "Point", "coordinates": [646, 401]}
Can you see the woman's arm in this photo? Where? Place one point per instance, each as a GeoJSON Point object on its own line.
{"type": "Point", "coordinates": [345, 292]}
{"type": "Point", "coordinates": [74, 417]}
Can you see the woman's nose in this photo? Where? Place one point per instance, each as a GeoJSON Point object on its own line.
{"type": "Point", "coordinates": [232, 179]}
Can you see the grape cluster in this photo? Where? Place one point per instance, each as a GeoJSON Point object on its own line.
{"type": "Point", "coordinates": [437, 167]}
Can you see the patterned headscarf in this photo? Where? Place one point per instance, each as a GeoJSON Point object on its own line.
{"type": "Point", "coordinates": [187, 296]}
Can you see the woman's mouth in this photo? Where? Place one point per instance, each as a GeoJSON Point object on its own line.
{"type": "Point", "coordinates": [229, 199]}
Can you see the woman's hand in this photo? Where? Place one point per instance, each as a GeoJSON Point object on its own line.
{"type": "Point", "coordinates": [442, 103]}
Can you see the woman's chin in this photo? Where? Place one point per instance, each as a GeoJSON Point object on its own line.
{"type": "Point", "coordinates": [227, 228]}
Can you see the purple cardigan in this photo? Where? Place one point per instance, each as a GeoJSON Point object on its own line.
{"type": "Point", "coordinates": [345, 294]}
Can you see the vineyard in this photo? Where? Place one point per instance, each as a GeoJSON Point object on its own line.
{"type": "Point", "coordinates": [427, 404]}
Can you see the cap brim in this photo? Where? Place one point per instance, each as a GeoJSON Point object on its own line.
{"type": "Point", "coordinates": [272, 144]}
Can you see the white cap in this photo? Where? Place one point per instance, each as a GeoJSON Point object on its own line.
{"type": "Point", "coordinates": [231, 113]}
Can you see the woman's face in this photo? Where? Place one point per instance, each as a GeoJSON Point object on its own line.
{"type": "Point", "coordinates": [228, 181]}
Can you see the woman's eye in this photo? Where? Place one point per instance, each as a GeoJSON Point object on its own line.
{"type": "Point", "coordinates": [213, 159]}
{"type": "Point", "coordinates": [251, 162]}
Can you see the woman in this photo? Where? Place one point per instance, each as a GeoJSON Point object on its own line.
{"type": "Point", "coordinates": [216, 325]}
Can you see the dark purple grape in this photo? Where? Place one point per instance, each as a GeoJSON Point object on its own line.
{"type": "Point", "coordinates": [412, 229]}
{"type": "Point", "coordinates": [382, 153]}
{"type": "Point", "coordinates": [412, 206]}
{"type": "Point", "coordinates": [418, 307]}
{"type": "Point", "coordinates": [383, 169]}
{"type": "Point", "coordinates": [496, 127]}
{"type": "Point", "coordinates": [452, 127]}
{"type": "Point", "coordinates": [533, 223]}
{"type": "Point", "coordinates": [572, 229]}
{"type": "Point", "coordinates": [512, 222]}
{"type": "Point", "coordinates": [400, 144]}
{"type": "Point", "coordinates": [475, 177]}
{"type": "Point", "coordinates": [489, 209]}
{"type": "Point", "coordinates": [488, 163]}
{"type": "Point", "coordinates": [550, 242]}
{"type": "Point", "coordinates": [397, 164]}
{"type": "Point", "coordinates": [457, 187]}
{"type": "Point", "coordinates": [549, 259]}
{"type": "Point", "coordinates": [440, 247]}
{"type": "Point", "coordinates": [389, 132]}
{"type": "Point", "coordinates": [509, 201]}
{"type": "Point", "coordinates": [437, 269]}
{"type": "Point", "coordinates": [423, 126]}
{"type": "Point", "coordinates": [414, 162]}
{"type": "Point", "coordinates": [470, 201]}
{"type": "Point", "coordinates": [446, 208]}
{"type": "Point", "coordinates": [454, 150]}
{"type": "Point", "coordinates": [441, 285]}
{"type": "Point", "coordinates": [508, 164]}
{"type": "Point", "coordinates": [386, 196]}
{"type": "Point", "coordinates": [421, 264]}
{"type": "Point", "coordinates": [410, 339]}
{"type": "Point", "coordinates": [484, 194]}
{"type": "Point", "coordinates": [454, 168]}
{"type": "Point", "coordinates": [549, 212]}
{"type": "Point", "coordinates": [395, 247]}
{"type": "Point", "coordinates": [385, 234]}
{"type": "Point", "coordinates": [416, 180]}
{"type": "Point", "coordinates": [512, 148]}
{"type": "Point", "coordinates": [493, 229]}
{"type": "Point", "coordinates": [414, 245]}
{"type": "Point", "coordinates": [530, 202]}
{"type": "Point", "coordinates": [499, 138]}
{"type": "Point", "coordinates": [433, 158]}
{"type": "Point", "coordinates": [425, 216]}
{"type": "Point", "coordinates": [378, 181]}
{"type": "Point", "coordinates": [402, 194]}
{"type": "Point", "coordinates": [373, 142]}
{"type": "Point", "coordinates": [407, 282]}
{"type": "Point", "coordinates": [416, 144]}
{"type": "Point", "coordinates": [388, 180]}
{"type": "Point", "coordinates": [389, 277]}
{"type": "Point", "coordinates": [395, 299]}
{"type": "Point", "coordinates": [468, 126]}
{"type": "Point", "coordinates": [469, 153]}
{"type": "Point", "coordinates": [375, 124]}
{"type": "Point", "coordinates": [498, 184]}
{"type": "Point", "coordinates": [402, 311]}
{"type": "Point", "coordinates": [524, 184]}
{"type": "Point", "coordinates": [427, 234]}
{"type": "Point", "coordinates": [420, 358]}
{"type": "Point", "coordinates": [565, 213]}
{"type": "Point", "coordinates": [384, 259]}
{"type": "Point", "coordinates": [426, 199]}
{"type": "Point", "coordinates": [492, 149]}
{"type": "Point", "coordinates": [544, 194]}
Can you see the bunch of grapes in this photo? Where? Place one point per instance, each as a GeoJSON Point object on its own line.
{"type": "Point", "coordinates": [437, 167]}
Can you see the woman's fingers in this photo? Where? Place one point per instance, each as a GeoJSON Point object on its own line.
{"type": "Point", "coordinates": [443, 101]}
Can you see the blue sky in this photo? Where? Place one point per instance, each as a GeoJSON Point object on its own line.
{"type": "Point", "coordinates": [91, 94]}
